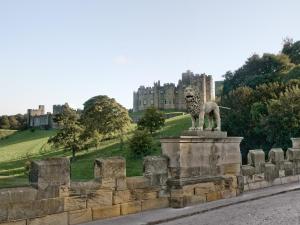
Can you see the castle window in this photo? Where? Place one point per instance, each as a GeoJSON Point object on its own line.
{"type": "Point", "coordinates": [151, 102]}
{"type": "Point", "coordinates": [145, 102]}
{"type": "Point", "coordinates": [140, 102]}
{"type": "Point", "coordinates": [165, 101]}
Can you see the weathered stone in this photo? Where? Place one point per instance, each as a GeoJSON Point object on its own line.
{"type": "Point", "coordinates": [296, 142]}
{"type": "Point", "coordinates": [106, 212]}
{"type": "Point", "coordinates": [122, 197]}
{"type": "Point", "coordinates": [80, 216]}
{"type": "Point", "coordinates": [17, 195]}
{"type": "Point", "coordinates": [258, 177]}
{"type": "Point", "coordinates": [100, 198]}
{"type": "Point", "coordinates": [131, 207]}
{"type": "Point", "coordinates": [157, 203]}
{"type": "Point", "coordinates": [112, 167]}
{"type": "Point", "coordinates": [240, 184]}
{"type": "Point", "coordinates": [288, 168]}
{"type": "Point", "coordinates": [35, 208]}
{"type": "Point", "coordinates": [21, 222]}
{"type": "Point", "coordinates": [195, 156]}
{"type": "Point", "coordinates": [256, 158]}
{"type": "Point", "coordinates": [195, 199]}
{"type": "Point", "coordinates": [3, 213]}
{"type": "Point", "coordinates": [248, 170]}
{"type": "Point", "coordinates": [213, 196]}
{"type": "Point", "coordinates": [84, 188]}
{"type": "Point", "coordinates": [277, 181]}
{"type": "Point", "coordinates": [293, 154]}
{"type": "Point", "coordinates": [290, 179]}
{"type": "Point", "coordinates": [121, 183]}
{"type": "Point", "coordinates": [145, 194]}
{"type": "Point", "coordinates": [228, 193]}
{"type": "Point", "coordinates": [204, 188]}
{"type": "Point", "coordinates": [271, 172]}
{"type": "Point", "coordinates": [204, 133]}
{"type": "Point", "coordinates": [254, 185]}
{"type": "Point", "coordinates": [155, 169]}
{"type": "Point", "coordinates": [55, 219]}
{"type": "Point", "coordinates": [74, 203]}
{"type": "Point", "coordinates": [48, 175]}
{"type": "Point", "coordinates": [276, 156]}
{"type": "Point", "coordinates": [137, 182]}
{"type": "Point", "coordinates": [178, 202]}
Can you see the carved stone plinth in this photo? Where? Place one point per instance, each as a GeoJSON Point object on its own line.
{"type": "Point", "coordinates": [202, 158]}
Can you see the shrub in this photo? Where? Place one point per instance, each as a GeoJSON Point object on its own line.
{"type": "Point", "coordinates": [141, 144]}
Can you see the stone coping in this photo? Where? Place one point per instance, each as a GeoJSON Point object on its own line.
{"type": "Point", "coordinates": [178, 182]}
{"type": "Point", "coordinates": [196, 139]}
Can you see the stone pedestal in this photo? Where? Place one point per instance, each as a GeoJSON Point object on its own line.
{"type": "Point", "coordinates": [206, 157]}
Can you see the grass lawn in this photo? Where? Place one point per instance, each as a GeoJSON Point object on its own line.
{"type": "Point", "coordinates": [24, 146]}
{"type": "Point", "coordinates": [5, 133]}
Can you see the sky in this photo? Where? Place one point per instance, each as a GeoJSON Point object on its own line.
{"type": "Point", "coordinates": [57, 51]}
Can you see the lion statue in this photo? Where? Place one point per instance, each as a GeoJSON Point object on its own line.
{"type": "Point", "coordinates": [198, 109]}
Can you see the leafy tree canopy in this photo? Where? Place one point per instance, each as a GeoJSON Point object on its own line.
{"type": "Point", "coordinates": [151, 120]}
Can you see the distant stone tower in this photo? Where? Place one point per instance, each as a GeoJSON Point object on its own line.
{"type": "Point", "coordinates": [169, 96]}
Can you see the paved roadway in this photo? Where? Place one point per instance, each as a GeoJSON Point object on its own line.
{"type": "Point", "coordinates": [282, 209]}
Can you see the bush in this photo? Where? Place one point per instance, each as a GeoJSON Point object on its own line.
{"type": "Point", "coordinates": [141, 144]}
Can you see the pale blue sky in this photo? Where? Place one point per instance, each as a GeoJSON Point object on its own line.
{"type": "Point", "coordinates": [59, 51]}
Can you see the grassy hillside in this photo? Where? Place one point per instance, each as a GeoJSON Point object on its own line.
{"type": "Point", "coordinates": [6, 133]}
{"type": "Point", "coordinates": [24, 146]}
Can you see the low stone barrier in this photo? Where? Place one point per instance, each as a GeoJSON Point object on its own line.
{"type": "Point", "coordinates": [277, 169]}
{"type": "Point", "coordinates": [53, 199]}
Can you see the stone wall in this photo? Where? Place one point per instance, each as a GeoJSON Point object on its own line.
{"type": "Point", "coordinates": [278, 168]}
{"type": "Point", "coordinates": [53, 199]}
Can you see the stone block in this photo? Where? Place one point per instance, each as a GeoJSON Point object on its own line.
{"type": "Point", "coordinates": [74, 203]}
{"type": "Point", "coordinates": [195, 199]}
{"type": "Point", "coordinates": [276, 156]}
{"type": "Point", "coordinates": [145, 194]}
{"type": "Point", "coordinates": [213, 196]}
{"type": "Point", "coordinates": [55, 219]}
{"type": "Point", "coordinates": [293, 154]}
{"type": "Point", "coordinates": [254, 185]}
{"type": "Point", "coordinates": [155, 165]}
{"type": "Point", "coordinates": [258, 177]}
{"type": "Point", "coordinates": [50, 172]}
{"type": "Point", "coordinates": [228, 193]}
{"type": "Point", "coordinates": [106, 212]}
{"type": "Point", "coordinates": [271, 172]}
{"type": "Point", "coordinates": [137, 182]}
{"type": "Point", "coordinates": [230, 168]}
{"type": "Point", "coordinates": [204, 188]}
{"type": "Point", "coordinates": [296, 142]}
{"type": "Point", "coordinates": [121, 183]}
{"type": "Point", "coordinates": [102, 197]}
{"type": "Point", "coordinates": [256, 158]}
{"type": "Point", "coordinates": [131, 207]}
{"type": "Point", "coordinates": [21, 222]}
{"type": "Point", "coordinates": [277, 181]}
{"type": "Point", "coordinates": [240, 184]}
{"type": "Point", "coordinates": [248, 170]}
{"type": "Point", "coordinates": [288, 168]}
{"type": "Point", "coordinates": [17, 195]}
{"type": "Point", "coordinates": [112, 167]}
{"type": "Point", "coordinates": [265, 184]}
{"type": "Point", "coordinates": [84, 188]}
{"type": "Point", "coordinates": [178, 202]}
{"type": "Point", "coordinates": [3, 213]}
{"type": "Point", "coordinates": [290, 179]}
{"type": "Point", "coordinates": [35, 208]}
{"type": "Point", "coordinates": [120, 197]}
{"type": "Point", "coordinates": [157, 203]}
{"type": "Point", "coordinates": [80, 216]}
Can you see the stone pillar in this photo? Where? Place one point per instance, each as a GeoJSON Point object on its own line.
{"type": "Point", "coordinates": [156, 170]}
{"type": "Point", "coordinates": [276, 156]}
{"type": "Point", "coordinates": [49, 175]}
{"type": "Point", "coordinates": [256, 158]}
{"type": "Point", "coordinates": [111, 172]}
{"type": "Point", "coordinates": [293, 155]}
{"type": "Point", "coordinates": [296, 142]}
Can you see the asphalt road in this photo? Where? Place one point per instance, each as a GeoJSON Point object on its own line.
{"type": "Point", "coordinates": [282, 209]}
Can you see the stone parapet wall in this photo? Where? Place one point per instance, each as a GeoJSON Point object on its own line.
{"type": "Point", "coordinates": [278, 168]}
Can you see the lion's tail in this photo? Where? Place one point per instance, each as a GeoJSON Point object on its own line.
{"type": "Point", "coordinates": [223, 107]}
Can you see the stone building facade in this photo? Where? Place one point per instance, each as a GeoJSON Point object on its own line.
{"type": "Point", "coordinates": [39, 118]}
{"type": "Point", "coordinates": [171, 96]}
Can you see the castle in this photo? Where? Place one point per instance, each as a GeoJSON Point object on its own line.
{"type": "Point", "coordinates": [169, 96]}
{"type": "Point", "coordinates": [38, 117]}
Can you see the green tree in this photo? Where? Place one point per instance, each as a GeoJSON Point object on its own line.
{"type": "Point", "coordinates": [105, 116]}
{"type": "Point", "coordinates": [69, 135]}
{"type": "Point", "coordinates": [14, 123]}
{"type": "Point", "coordinates": [151, 120]}
{"type": "Point", "coordinates": [292, 50]}
{"type": "Point", "coordinates": [141, 143]}
{"type": "Point", "coordinates": [4, 122]}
